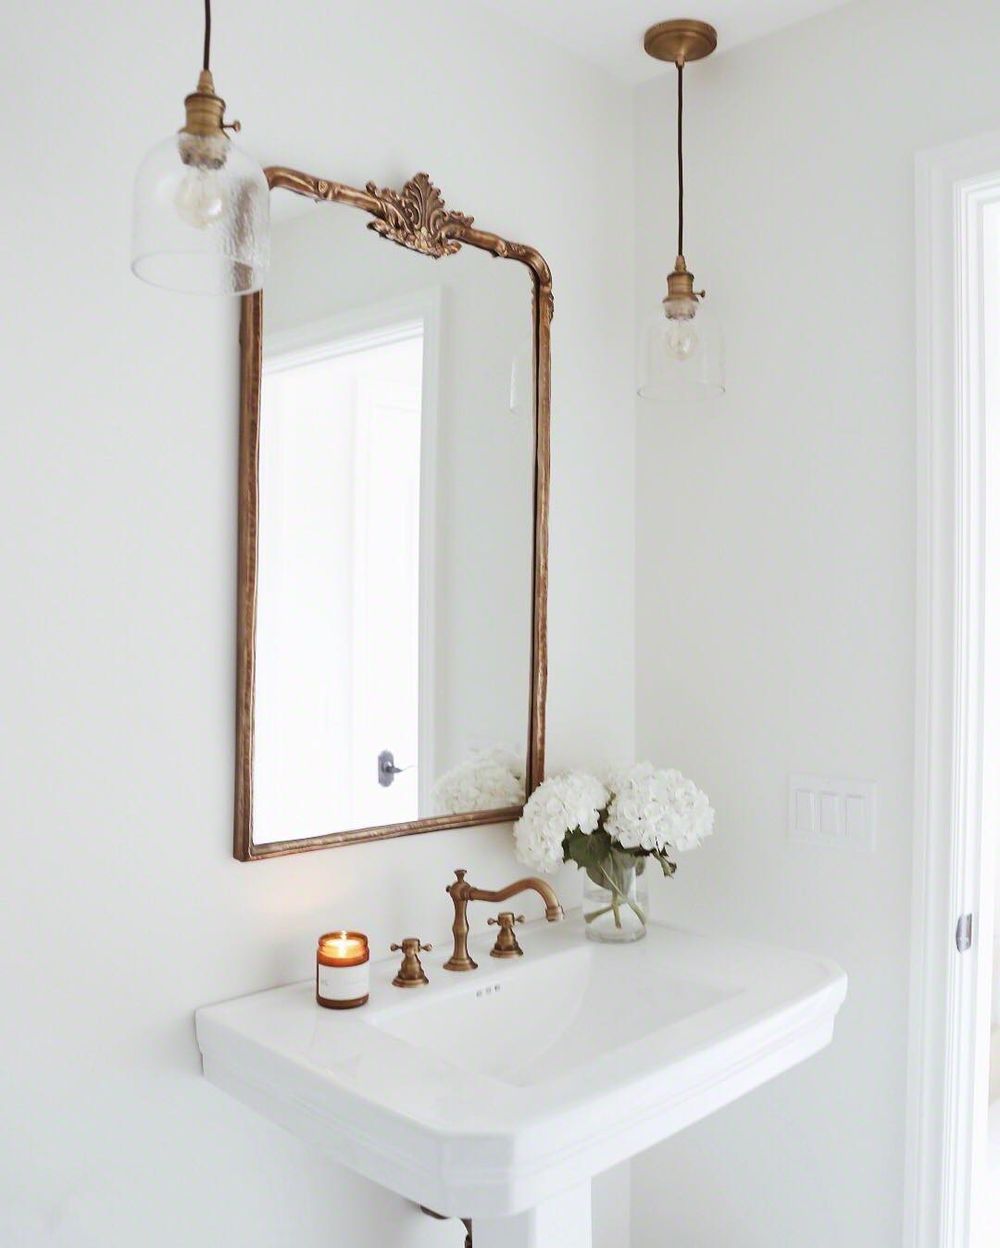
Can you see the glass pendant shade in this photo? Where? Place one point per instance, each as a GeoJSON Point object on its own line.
{"type": "Point", "coordinates": [682, 355]}
{"type": "Point", "coordinates": [200, 217]}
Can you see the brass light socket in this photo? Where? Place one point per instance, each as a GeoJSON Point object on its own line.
{"type": "Point", "coordinates": [681, 301]}
{"type": "Point", "coordinates": [204, 109]}
{"type": "Point", "coordinates": [680, 283]}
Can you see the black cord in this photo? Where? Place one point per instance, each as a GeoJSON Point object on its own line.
{"type": "Point", "coordinates": [208, 33]}
{"type": "Point", "coordinates": [680, 157]}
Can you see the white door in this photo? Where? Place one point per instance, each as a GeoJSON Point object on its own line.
{"type": "Point", "coordinates": [386, 686]}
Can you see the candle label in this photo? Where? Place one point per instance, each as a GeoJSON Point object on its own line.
{"type": "Point", "coordinates": [343, 983]}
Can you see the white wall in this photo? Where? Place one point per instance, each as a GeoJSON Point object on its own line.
{"type": "Point", "coordinates": [122, 908]}
{"type": "Point", "coordinates": [775, 573]}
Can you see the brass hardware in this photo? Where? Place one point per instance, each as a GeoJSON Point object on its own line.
{"type": "Point", "coordinates": [680, 40]}
{"type": "Point", "coordinates": [506, 943]}
{"type": "Point", "coordinates": [681, 300]}
{"type": "Point", "coordinates": [462, 892]}
{"type": "Point", "coordinates": [417, 218]}
{"type": "Point", "coordinates": [203, 108]}
{"type": "Point", "coordinates": [203, 139]}
{"type": "Point", "coordinates": [411, 973]}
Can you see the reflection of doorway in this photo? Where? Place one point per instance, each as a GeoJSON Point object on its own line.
{"type": "Point", "coordinates": [343, 548]}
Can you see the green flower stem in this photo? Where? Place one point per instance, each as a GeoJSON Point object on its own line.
{"type": "Point", "coordinates": [617, 887]}
{"type": "Point", "coordinates": [616, 894]}
{"type": "Point", "coordinates": [591, 915]}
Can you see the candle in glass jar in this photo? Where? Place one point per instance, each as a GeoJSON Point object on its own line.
{"type": "Point", "coordinates": [342, 970]}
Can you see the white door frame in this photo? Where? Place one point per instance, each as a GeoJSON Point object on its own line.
{"type": "Point", "coordinates": [949, 991]}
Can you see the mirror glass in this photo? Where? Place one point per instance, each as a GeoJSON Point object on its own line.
{"type": "Point", "coordinates": [395, 530]}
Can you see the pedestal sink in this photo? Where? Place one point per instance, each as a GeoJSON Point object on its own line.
{"type": "Point", "coordinates": [498, 1094]}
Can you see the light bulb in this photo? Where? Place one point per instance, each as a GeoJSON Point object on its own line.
{"type": "Point", "coordinates": [682, 338]}
{"type": "Point", "coordinates": [201, 198]}
{"type": "Point", "coordinates": [681, 351]}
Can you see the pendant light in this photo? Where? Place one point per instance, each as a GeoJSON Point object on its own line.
{"type": "Point", "coordinates": [682, 356]}
{"type": "Point", "coordinates": [201, 207]}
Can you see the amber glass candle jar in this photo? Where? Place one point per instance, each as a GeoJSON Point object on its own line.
{"type": "Point", "coordinates": [342, 970]}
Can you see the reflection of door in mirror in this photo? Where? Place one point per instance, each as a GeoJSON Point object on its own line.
{"type": "Point", "coordinates": [340, 573]}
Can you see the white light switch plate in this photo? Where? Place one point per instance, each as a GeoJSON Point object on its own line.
{"type": "Point", "coordinates": [840, 814]}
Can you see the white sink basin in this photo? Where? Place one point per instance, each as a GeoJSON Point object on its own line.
{"type": "Point", "coordinates": [497, 1091]}
{"type": "Point", "coordinates": [539, 1020]}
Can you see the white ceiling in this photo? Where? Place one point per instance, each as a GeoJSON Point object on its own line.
{"type": "Point", "coordinates": [609, 32]}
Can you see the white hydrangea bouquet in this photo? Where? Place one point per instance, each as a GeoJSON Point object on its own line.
{"type": "Point", "coordinates": [610, 830]}
{"type": "Point", "coordinates": [491, 779]}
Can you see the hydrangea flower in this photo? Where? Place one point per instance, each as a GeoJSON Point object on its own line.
{"type": "Point", "coordinates": [491, 779]}
{"type": "Point", "coordinates": [659, 811]}
{"type": "Point", "coordinates": [560, 805]}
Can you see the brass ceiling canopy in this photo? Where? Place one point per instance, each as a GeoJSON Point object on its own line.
{"type": "Point", "coordinates": [681, 40]}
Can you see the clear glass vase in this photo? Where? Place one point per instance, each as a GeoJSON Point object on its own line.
{"type": "Point", "coordinates": [616, 900]}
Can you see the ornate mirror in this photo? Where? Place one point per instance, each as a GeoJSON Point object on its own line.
{"type": "Point", "coordinates": [393, 521]}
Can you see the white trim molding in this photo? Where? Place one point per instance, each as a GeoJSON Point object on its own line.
{"type": "Point", "coordinates": [956, 186]}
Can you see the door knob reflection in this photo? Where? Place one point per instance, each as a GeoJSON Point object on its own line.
{"type": "Point", "coordinates": [387, 769]}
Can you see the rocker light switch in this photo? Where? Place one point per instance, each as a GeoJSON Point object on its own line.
{"type": "Point", "coordinates": [804, 813]}
{"type": "Point", "coordinates": [834, 813]}
{"type": "Point", "coordinates": [856, 818]}
{"type": "Point", "coordinates": [830, 822]}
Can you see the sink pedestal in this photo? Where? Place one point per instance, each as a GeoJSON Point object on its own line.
{"type": "Point", "coordinates": [563, 1221]}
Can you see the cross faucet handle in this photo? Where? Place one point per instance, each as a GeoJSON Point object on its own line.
{"type": "Point", "coordinates": [506, 943]}
{"type": "Point", "coordinates": [411, 973]}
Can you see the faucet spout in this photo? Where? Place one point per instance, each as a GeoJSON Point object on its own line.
{"type": "Point", "coordinates": [462, 892]}
{"type": "Point", "coordinates": [532, 883]}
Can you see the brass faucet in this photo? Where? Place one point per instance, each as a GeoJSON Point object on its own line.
{"type": "Point", "coordinates": [462, 892]}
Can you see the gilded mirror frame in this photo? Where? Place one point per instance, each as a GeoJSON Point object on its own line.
{"type": "Point", "coordinates": [415, 218]}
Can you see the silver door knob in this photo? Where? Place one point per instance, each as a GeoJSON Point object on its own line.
{"type": "Point", "coordinates": [387, 769]}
